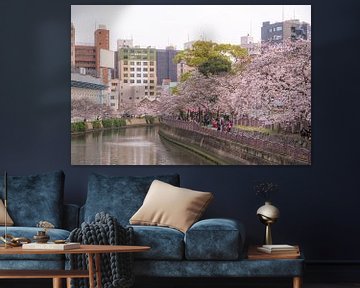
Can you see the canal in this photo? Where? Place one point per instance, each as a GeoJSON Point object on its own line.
{"type": "Point", "coordinates": [130, 146]}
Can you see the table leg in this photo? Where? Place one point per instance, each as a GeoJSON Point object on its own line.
{"type": "Point", "coordinates": [68, 282]}
{"type": "Point", "coordinates": [57, 283]}
{"type": "Point", "coordinates": [297, 282]}
{"type": "Point", "coordinates": [98, 270]}
{"type": "Point", "coordinates": [91, 270]}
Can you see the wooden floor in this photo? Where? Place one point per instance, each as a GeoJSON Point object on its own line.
{"type": "Point", "coordinates": [45, 283]}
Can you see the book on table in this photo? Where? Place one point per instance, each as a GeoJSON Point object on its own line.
{"type": "Point", "coordinates": [278, 249]}
{"type": "Point", "coordinates": [51, 246]}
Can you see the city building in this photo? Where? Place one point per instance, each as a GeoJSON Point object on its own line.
{"type": "Point", "coordinates": [252, 47]}
{"type": "Point", "coordinates": [137, 74]}
{"type": "Point", "coordinates": [85, 57]}
{"type": "Point", "coordinates": [286, 30]}
{"type": "Point", "coordinates": [72, 45]}
{"type": "Point", "coordinates": [166, 68]}
{"type": "Point", "coordinates": [114, 94]}
{"type": "Point", "coordinates": [87, 87]}
{"type": "Point", "coordinates": [102, 41]}
{"type": "Point", "coordinates": [124, 43]}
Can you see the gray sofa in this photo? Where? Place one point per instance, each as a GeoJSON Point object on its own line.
{"type": "Point", "coordinates": [32, 199]}
{"type": "Point", "coordinates": [210, 248]}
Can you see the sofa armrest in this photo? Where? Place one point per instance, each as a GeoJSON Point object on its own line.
{"type": "Point", "coordinates": [71, 216]}
{"type": "Point", "coordinates": [215, 239]}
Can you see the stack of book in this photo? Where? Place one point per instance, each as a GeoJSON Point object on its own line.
{"type": "Point", "coordinates": [279, 249]}
{"type": "Point", "coordinates": [274, 252]}
{"type": "Point", "coordinates": [51, 246]}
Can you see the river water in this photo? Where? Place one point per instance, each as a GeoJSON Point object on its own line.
{"type": "Point", "coordinates": [130, 146]}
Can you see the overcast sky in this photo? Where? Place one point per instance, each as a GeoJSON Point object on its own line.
{"type": "Point", "coordinates": [163, 25]}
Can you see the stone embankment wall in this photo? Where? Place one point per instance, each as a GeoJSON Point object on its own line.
{"type": "Point", "coordinates": [222, 151]}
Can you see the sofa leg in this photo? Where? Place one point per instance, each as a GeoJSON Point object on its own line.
{"type": "Point", "coordinates": [297, 282]}
{"type": "Point", "coordinates": [57, 283]}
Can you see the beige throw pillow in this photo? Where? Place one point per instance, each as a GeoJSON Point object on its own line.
{"type": "Point", "coordinates": [170, 206]}
{"type": "Point", "coordinates": [9, 221]}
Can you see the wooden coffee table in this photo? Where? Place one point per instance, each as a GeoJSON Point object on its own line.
{"type": "Point", "coordinates": [57, 275]}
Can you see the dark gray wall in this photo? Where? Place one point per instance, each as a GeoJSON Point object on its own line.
{"type": "Point", "coordinates": [318, 203]}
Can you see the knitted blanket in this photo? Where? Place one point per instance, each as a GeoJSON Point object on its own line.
{"type": "Point", "coordinates": [116, 268]}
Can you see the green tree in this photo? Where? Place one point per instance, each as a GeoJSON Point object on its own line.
{"type": "Point", "coordinates": [203, 51]}
{"type": "Point", "coordinates": [214, 66]}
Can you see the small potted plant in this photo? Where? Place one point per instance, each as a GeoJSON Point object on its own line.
{"type": "Point", "coordinates": [41, 236]}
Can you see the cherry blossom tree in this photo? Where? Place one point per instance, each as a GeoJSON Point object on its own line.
{"type": "Point", "coordinates": [274, 88]}
{"type": "Point", "coordinates": [84, 108]}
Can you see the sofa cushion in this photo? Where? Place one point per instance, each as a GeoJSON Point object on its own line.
{"type": "Point", "coordinates": [165, 243]}
{"type": "Point", "coordinates": [9, 221]}
{"type": "Point", "coordinates": [166, 205]}
{"type": "Point", "coordinates": [29, 232]}
{"type": "Point", "coordinates": [119, 196]}
{"type": "Point", "coordinates": [35, 198]}
{"type": "Point", "coordinates": [214, 239]}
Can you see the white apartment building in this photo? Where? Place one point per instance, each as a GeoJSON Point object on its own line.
{"type": "Point", "coordinates": [137, 67]}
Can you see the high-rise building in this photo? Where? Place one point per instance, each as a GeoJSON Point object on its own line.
{"type": "Point", "coordinates": [72, 45]}
{"type": "Point", "coordinates": [165, 66]}
{"type": "Point", "coordinates": [286, 30]}
{"type": "Point", "coordinates": [102, 41]}
{"type": "Point", "coordinates": [137, 67]}
{"type": "Point", "coordinates": [248, 43]}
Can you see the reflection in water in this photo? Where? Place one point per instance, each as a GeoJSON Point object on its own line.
{"type": "Point", "coordinates": [129, 146]}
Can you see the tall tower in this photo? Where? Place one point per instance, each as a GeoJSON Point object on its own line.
{"type": "Point", "coordinates": [102, 41]}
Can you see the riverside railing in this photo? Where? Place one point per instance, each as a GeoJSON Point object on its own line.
{"type": "Point", "coordinates": [252, 139]}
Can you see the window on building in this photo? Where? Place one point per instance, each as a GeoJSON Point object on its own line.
{"type": "Point", "coordinates": [151, 75]}
{"type": "Point", "coordinates": [145, 75]}
{"type": "Point", "coordinates": [132, 75]}
{"type": "Point", "coordinates": [137, 97]}
{"type": "Point", "coordinates": [126, 68]}
{"type": "Point", "coordinates": [132, 81]}
{"type": "Point", "coordinates": [152, 87]}
{"type": "Point", "coordinates": [138, 63]}
{"type": "Point", "coordinates": [145, 62]}
{"type": "Point", "coordinates": [132, 69]}
{"type": "Point", "coordinates": [145, 69]}
{"type": "Point", "coordinates": [279, 28]}
{"type": "Point", "coordinates": [112, 97]}
{"type": "Point", "coordinates": [270, 30]}
{"type": "Point", "coordinates": [138, 81]}
{"type": "Point", "coordinates": [138, 69]}
{"type": "Point", "coordinates": [126, 75]}
{"type": "Point", "coordinates": [145, 81]}
{"type": "Point", "coordinates": [130, 98]}
{"type": "Point", "coordinates": [132, 63]}
{"type": "Point", "coordinates": [112, 104]}
{"type": "Point", "coordinates": [146, 93]}
{"type": "Point", "coordinates": [152, 69]}
{"type": "Point", "coordinates": [146, 87]}
{"type": "Point", "coordinates": [151, 93]}
{"type": "Point", "coordinates": [151, 81]}
{"type": "Point", "coordinates": [151, 63]}
{"type": "Point", "coordinates": [138, 75]}
{"type": "Point", "coordinates": [125, 81]}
